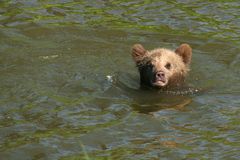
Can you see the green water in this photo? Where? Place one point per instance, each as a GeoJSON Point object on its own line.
{"type": "Point", "coordinates": [70, 90]}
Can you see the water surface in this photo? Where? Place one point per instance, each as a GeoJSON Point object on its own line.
{"type": "Point", "coordinates": [70, 90]}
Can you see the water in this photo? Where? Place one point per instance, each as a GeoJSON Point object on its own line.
{"type": "Point", "coordinates": [70, 90]}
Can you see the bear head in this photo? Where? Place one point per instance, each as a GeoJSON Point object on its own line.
{"type": "Point", "coordinates": [162, 67]}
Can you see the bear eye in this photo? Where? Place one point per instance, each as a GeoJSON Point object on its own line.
{"type": "Point", "coordinates": [168, 66]}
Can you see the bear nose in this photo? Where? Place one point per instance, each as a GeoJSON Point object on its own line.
{"type": "Point", "coordinates": [160, 74]}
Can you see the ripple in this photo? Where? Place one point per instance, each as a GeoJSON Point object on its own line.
{"type": "Point", "coordinates": [69, 88]}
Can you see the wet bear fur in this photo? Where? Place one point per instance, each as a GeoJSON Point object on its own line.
{"type": "Point", "coordinates": [161, 67]}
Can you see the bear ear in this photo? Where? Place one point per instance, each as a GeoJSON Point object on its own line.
{"type": "Point", "coordinates": [185, 51]}
{"type": "Point", "coordinates": [138, 52]}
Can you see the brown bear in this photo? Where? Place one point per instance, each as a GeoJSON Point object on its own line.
{"type": "Point", "coordinates": [161, 67]}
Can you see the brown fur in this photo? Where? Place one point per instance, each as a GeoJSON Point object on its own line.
{"type": "Point", "coordinates": [162, 67]}
{"type": "Point", "coordinates": [185, 51]}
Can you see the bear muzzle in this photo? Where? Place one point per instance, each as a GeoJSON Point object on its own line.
{"type": "Point", "coordinates": [160, 79]}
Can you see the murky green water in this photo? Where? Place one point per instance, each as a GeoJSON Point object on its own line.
{"type": "Point", "coordinates": [69, 88]}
